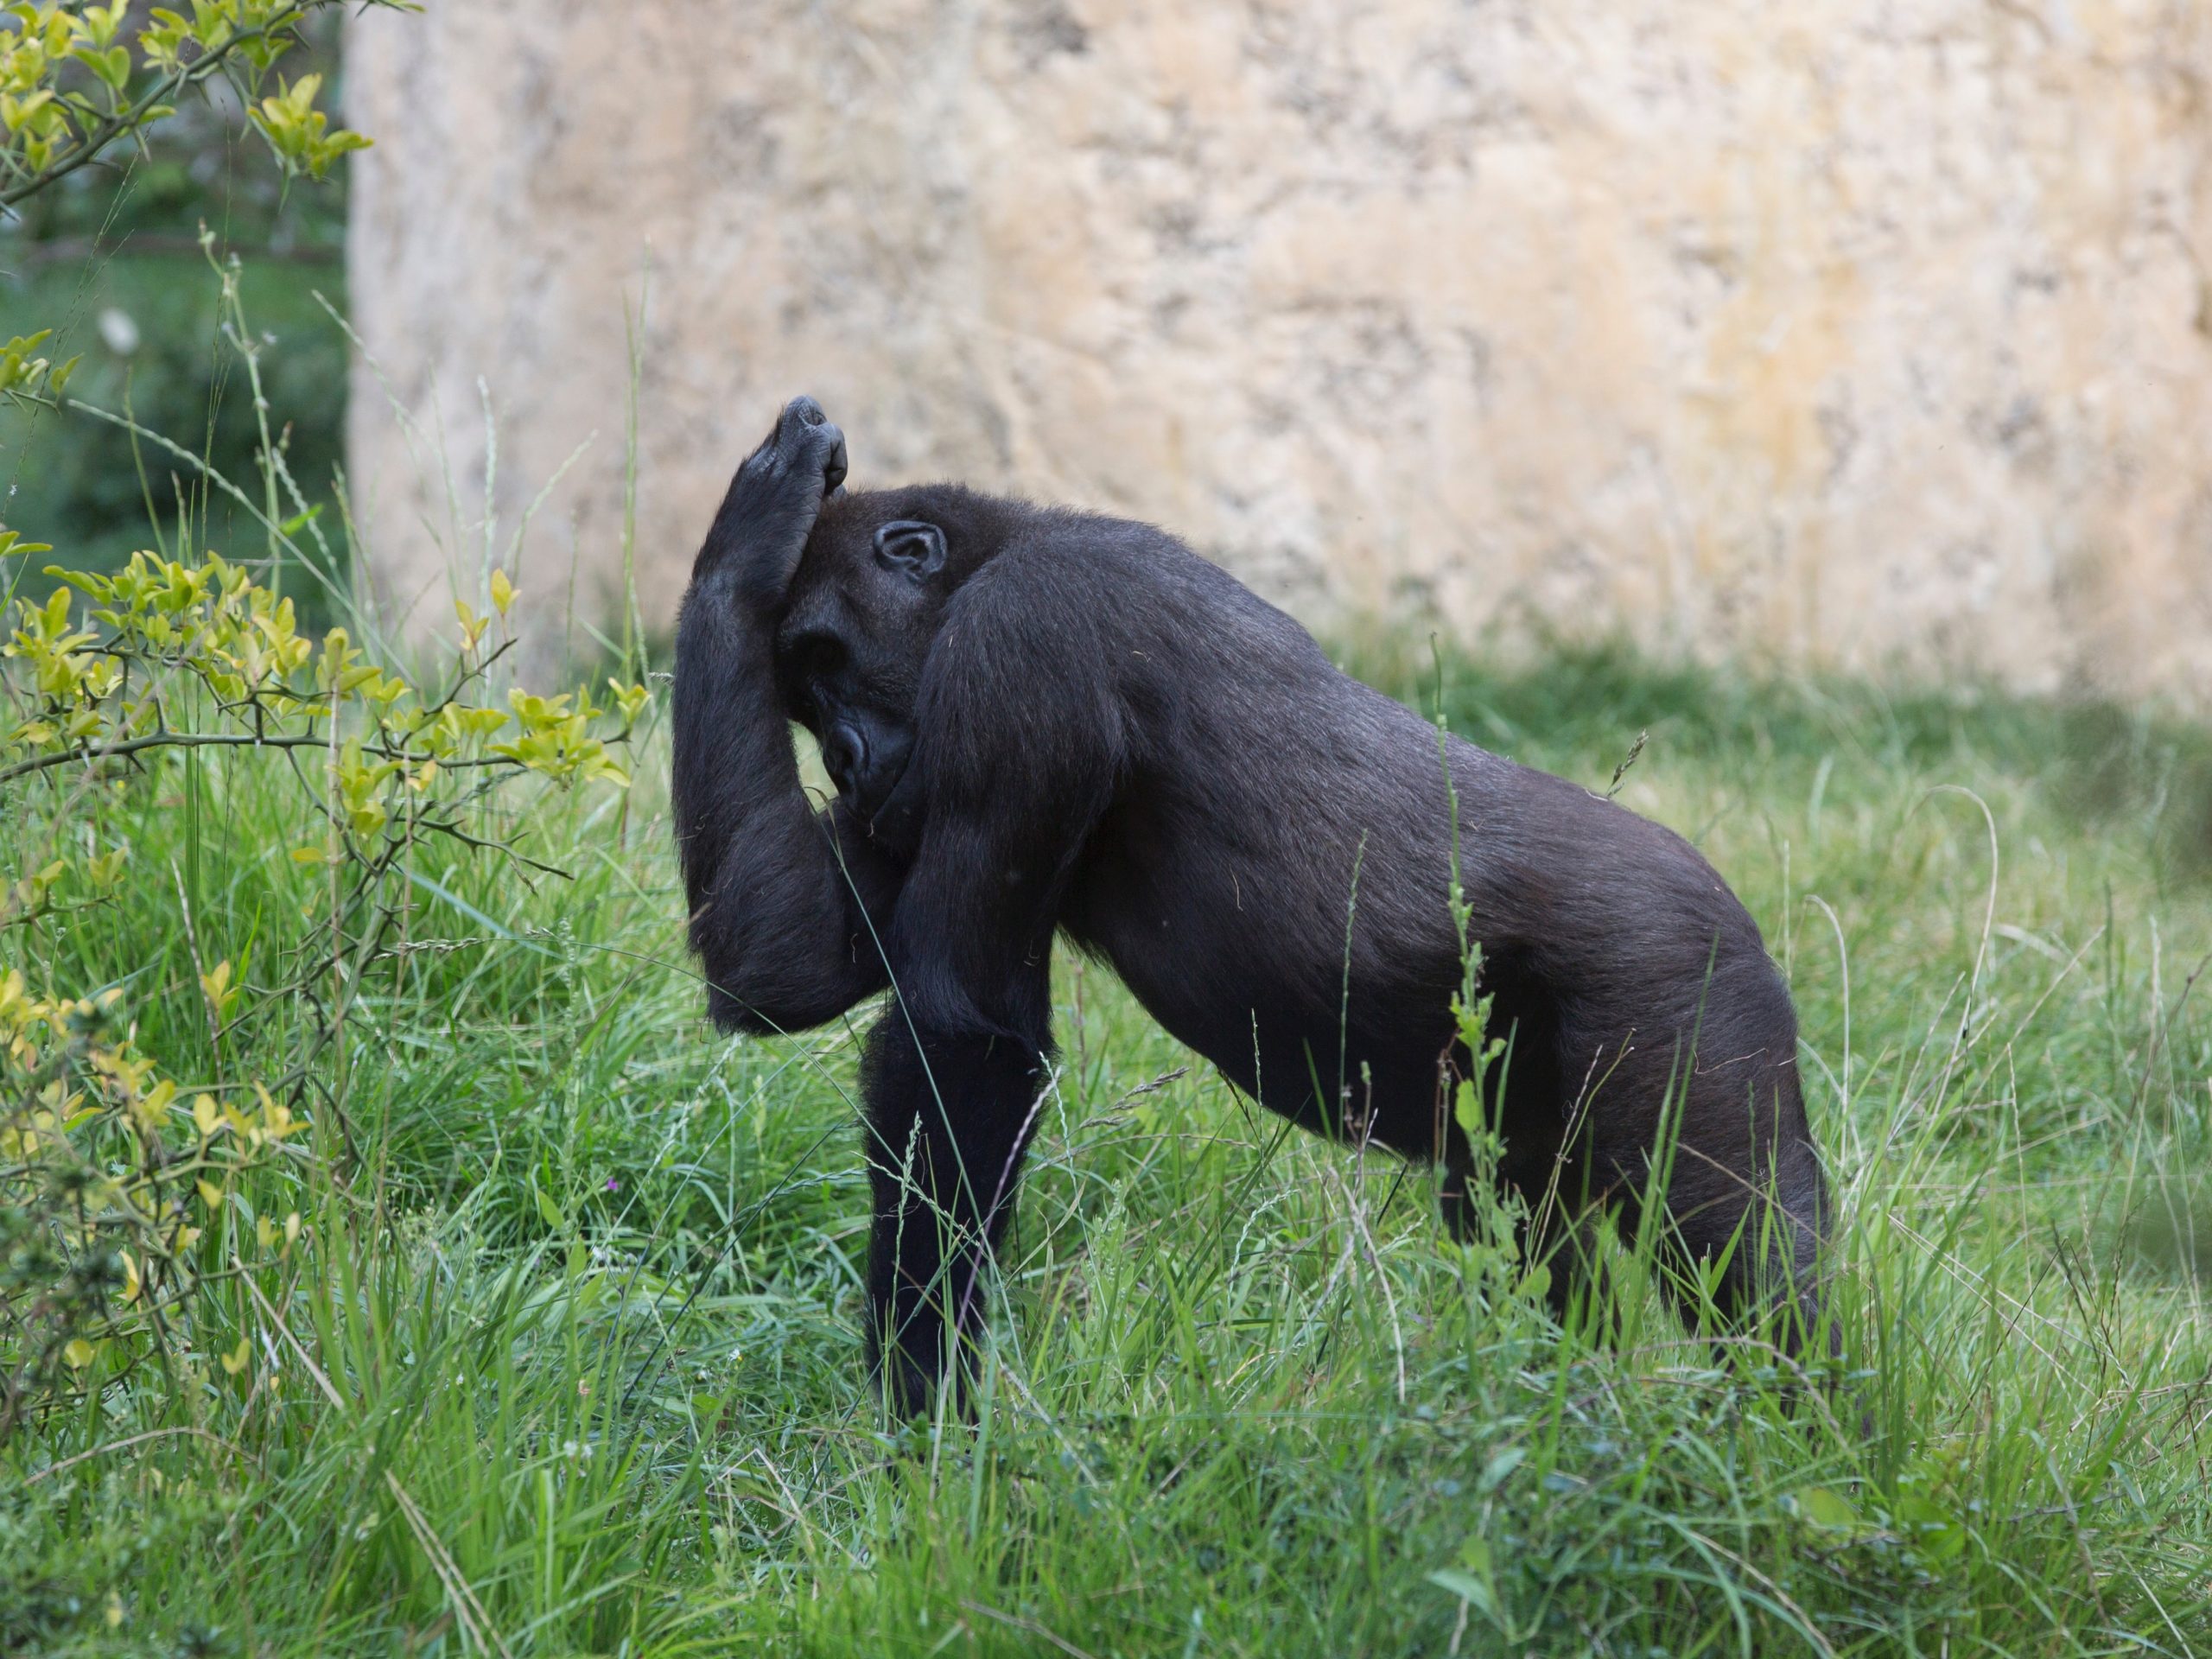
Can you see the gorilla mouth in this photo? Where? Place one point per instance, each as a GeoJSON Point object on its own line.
{"type": "Point", "coordinates": [871, 790]}
{"type": "Point", "coordinates": [866, 773]}
{"type": "Point", "coordinates": [880, 798]}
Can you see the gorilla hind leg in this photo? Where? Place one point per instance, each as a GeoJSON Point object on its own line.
{"type": "Point", "coordinates": [1759, 1253]}
{"type": "Point", "coordinates": [1745, 1214]}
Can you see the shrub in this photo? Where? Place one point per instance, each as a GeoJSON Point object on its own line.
{"type": "Point", "coordinates": [122, 1191]}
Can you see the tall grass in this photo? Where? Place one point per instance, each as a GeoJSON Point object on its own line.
{"type": "Point", "coordinates": [568, 1358]}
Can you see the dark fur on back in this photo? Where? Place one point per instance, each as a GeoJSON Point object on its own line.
{"type": "Point", "coordinates": [1054, 722]}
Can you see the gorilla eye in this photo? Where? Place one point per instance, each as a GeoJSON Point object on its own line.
{"type": "Point", "coordinates": [816, 656]}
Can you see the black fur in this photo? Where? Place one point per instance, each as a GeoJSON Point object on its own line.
{"type": "Point", "coordinates": [1043, 722]}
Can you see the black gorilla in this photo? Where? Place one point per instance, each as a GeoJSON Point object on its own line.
{"type": "Point", "coordinates": [1040, 722]}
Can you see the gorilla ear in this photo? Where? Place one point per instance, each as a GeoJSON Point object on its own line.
{"type": "Point", "coordinates": [913, 549]}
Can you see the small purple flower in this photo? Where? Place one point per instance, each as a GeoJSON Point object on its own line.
{"type": "Point", "coordinates": [614, 1186]}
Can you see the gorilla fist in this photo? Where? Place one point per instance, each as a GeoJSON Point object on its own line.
{"type": "Point", "coordinates": [771, 506]}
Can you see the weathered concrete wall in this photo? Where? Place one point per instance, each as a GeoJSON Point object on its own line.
{"type": "Point", "coordinates": [1849, 332]}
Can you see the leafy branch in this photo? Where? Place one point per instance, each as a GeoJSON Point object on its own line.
{"type": "Point", "coordinates": [66, 75]}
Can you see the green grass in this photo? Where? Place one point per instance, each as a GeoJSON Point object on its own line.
{"type": "Point", "coordinates": [579, 1277]}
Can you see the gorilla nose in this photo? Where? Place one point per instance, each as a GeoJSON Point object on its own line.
{"type": "Point", "coordinates": [844, 754]}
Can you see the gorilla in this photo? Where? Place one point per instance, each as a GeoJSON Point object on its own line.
{"type": "Point", "coordinates": [1042, 721]}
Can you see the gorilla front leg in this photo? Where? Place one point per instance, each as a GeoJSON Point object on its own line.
{"type": "Point", "coordinates": [949, 1119]}
{"type": "Point", "coordinates": [781, 897]}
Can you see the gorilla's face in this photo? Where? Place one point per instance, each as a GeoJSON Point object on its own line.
{"type": "Point", "coordinates": [864, 606]}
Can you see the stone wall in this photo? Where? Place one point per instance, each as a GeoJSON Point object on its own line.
{"type": "Point", "coordinates": [1866, 334]}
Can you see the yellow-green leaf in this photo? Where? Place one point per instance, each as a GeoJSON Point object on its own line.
{"type": "Point", "coordinates": [1829, 1510]}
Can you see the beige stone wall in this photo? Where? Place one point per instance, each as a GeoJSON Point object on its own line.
{"type": "Point", "coordinates": [1858, 333]}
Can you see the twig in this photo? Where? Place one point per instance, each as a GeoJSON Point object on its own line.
{"type": "Point", "coordinates": [1621, 770]}
{"type": "Point", "coordinates": [1028, 1624]}
{"type": "Point", "coordinates": [75, 250]}
{"type": "Point", "coordinates": [37, 1475]}
{"type": "Point", "coordinates": [234, 740]}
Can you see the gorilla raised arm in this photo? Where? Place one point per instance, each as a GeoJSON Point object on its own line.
{"type": "Point", "coordinates": [1041, 722]}
{"type": "Point", "coordinates": [779, 895]}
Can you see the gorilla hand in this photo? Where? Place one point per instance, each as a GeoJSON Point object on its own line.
{"type": "Point", "coordinates": [779, 489]}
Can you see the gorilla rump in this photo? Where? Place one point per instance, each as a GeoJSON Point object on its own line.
{"type": "Point", "coordinates": [1042, 721]}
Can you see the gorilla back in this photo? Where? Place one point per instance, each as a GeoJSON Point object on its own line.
{"type": "Point", "coordinates": [1045, 722]}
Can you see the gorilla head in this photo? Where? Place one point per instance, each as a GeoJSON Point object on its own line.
{"type": "Point", "coordinates": [863, 608]}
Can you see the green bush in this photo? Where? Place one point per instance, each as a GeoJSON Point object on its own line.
{"type": "Point", "coordinates": [101, 255]}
